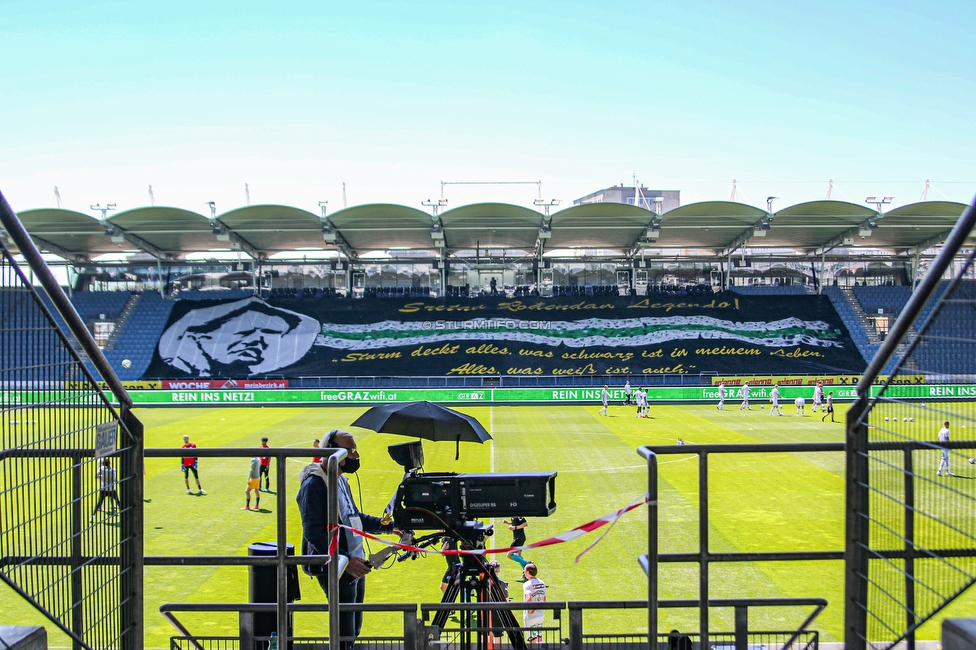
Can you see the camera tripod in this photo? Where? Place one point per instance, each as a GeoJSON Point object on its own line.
{"type": "Point", "coordinates": [474, 580]}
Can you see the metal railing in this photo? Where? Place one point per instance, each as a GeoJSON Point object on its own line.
{"type": "Point", "coordinates": [704, 557]}
{"type": "Point", "coordinates": [565, 625]}
{"type": "Point", "coordinates": [281, 559]}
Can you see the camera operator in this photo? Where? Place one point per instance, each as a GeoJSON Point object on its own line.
{"type": "Point", "coordinates": [313, 505]}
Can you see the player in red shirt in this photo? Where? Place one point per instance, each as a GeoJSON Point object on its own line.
{"type": "Point", "coordinates": [318, 459]}
{"type": "Point", "coordinates": [190, 465]}
{"type": "Point", "coordinates": [265, 466]}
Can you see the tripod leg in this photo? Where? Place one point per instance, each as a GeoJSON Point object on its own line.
{"type": "Point", "coordinates": [450, 595]}
{"type": "Point", "coordinates": [505, 617]}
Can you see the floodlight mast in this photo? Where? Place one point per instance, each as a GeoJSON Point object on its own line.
{"type": "Point", "coordinates": [658, 204]}
{"type": "Point", "coordinates": [546, 205]}
{"type": "Point", "coordinates": [879, 203]}
{"type": "Point", "coordinates": [435, 205]}
{"type": "Point", "coordinates": [103, 209]}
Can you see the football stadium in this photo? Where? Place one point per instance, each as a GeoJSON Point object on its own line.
{"type": "Point", "coordinates": [627, 423]}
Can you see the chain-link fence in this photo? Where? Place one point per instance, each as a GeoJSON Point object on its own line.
{"type": "Point", "coordinates": [912, 461]}
{"type": "Point", "coordinates": [70, 464]}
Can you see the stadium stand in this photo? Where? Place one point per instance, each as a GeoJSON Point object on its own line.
{"type": "Point", "coordinates": [139, 330]}
{"type": "Point", "coordinates": [890, 299]}
{"type": "Point", "coordinates": [139, 335]}
{"type": "Point", "coordinates": [99, 305]}
{"type": "Point", "coordinates": [948, 347]}
{"type": "Point", "coordinates": [853, 324]}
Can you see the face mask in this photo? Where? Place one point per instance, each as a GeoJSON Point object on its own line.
{"type": "Point", "coordinates": [350, 465]}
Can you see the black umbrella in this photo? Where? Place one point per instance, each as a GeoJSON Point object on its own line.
{"type": "Point", "coordinates": [424, 420]}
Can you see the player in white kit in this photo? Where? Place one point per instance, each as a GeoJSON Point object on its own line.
{"type": "Point", "coordinates": [800, 405]}
{"type": "Point", "coordinates": [774, 398]}
{"type": "Point", "coordinates": [745, 397]}
{"type": "Point", "coordinates": [534, 591]}
{"type": "Point", "coordinates": [944, 461]}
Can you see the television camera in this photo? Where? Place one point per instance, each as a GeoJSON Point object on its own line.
{"type": "Point", "coordinates": [451, 504]}
{"type": "Point", "coordinates": [450, 501]}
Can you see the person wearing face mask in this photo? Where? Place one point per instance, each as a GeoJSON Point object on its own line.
{"type": "Point", "coordinates": [313, 505]}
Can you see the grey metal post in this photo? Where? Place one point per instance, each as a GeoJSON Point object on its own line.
{"type": "Point", "coordinates": [410, 630]}
{"type": "Point", "coordinates": [741, 627]}
{"type": "Point", "coordinates": [77, 586]}
{"type": "Point", "coordinates": [575, 627]}
{"type": "Point", "coordinates": [652, 551]}
{"type": "Point", "coordinates": [909, 477]}
{"type": "Point", "coordinates": [823, 264]}
{"type": "Point", "coordinates": [132, 527]}
{"type": "Point", "coordinates": [728, 272]}
{"type": "Point", "coordinates": [703, 547]}
{"type": "Point", "coordinates": [159, 278]}
{"type": "Point", "coordinates": [855, 555]}
{"type": "Point", "coordinates": [333, 516]}
{"type": "Point", "coordinates": [282, 543]}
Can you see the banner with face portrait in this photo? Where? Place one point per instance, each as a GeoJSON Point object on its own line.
{"type": "Point", "coordinates": [286, 338]}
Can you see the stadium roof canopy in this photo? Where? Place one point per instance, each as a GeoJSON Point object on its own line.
{"type": "Point", "coordinates": [710, 227]}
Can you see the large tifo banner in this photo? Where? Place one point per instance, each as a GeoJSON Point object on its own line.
{"type": "Point", "coordinates": [726, 333]}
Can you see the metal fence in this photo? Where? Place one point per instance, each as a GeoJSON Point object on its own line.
{"type": "Point", "coordinates": [70, 519]}
{"type": "Point", "coordinates": [911, 484]}
{"type": "Point", "coordinates": [565, 625]}
{"type": "Point", "coordinates": [705, 557]}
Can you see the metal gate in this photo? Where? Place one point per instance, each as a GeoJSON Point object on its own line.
{"type": "Point", "coordinates": [66, 545]}
{"type": "Point", "coordinates": [911, 495]}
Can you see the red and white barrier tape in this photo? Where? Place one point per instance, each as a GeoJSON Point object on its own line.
{"type": "Point", "coordinates": [561, 538]}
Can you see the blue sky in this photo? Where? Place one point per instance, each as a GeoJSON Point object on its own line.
{"type": "Point", "coordinates": [197, 99]}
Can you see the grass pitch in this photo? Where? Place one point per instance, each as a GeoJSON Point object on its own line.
{"type": "Point", "coordinates": [757, 503]}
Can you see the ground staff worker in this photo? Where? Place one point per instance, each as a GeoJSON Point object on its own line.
{"type": "Point", "coordinates": [313, 505]}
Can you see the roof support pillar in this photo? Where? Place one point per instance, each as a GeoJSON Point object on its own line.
{"type": "Point", "coordinates": [823, 264]}
{"type": "Point", "coordinates": [159, 278]}
{"type": "Point", "coordinates": [916, 262]}
{"type": "Point", "coordinates": [728, 271]}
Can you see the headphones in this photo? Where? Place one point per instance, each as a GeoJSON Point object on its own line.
{"type": "Point", "coordinates": [330, 439]}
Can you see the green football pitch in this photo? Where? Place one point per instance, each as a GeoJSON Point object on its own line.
{"type": "Point", "coordinates": [758, 502]}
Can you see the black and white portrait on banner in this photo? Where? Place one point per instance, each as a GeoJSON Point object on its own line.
{"type": "Point", "coordinates": [579, 336]}
{"type": "Point", "coordinates": [237, 339]}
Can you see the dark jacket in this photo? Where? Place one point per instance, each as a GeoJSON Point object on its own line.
{"type": "Point", "coordinates": [313, 504]}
